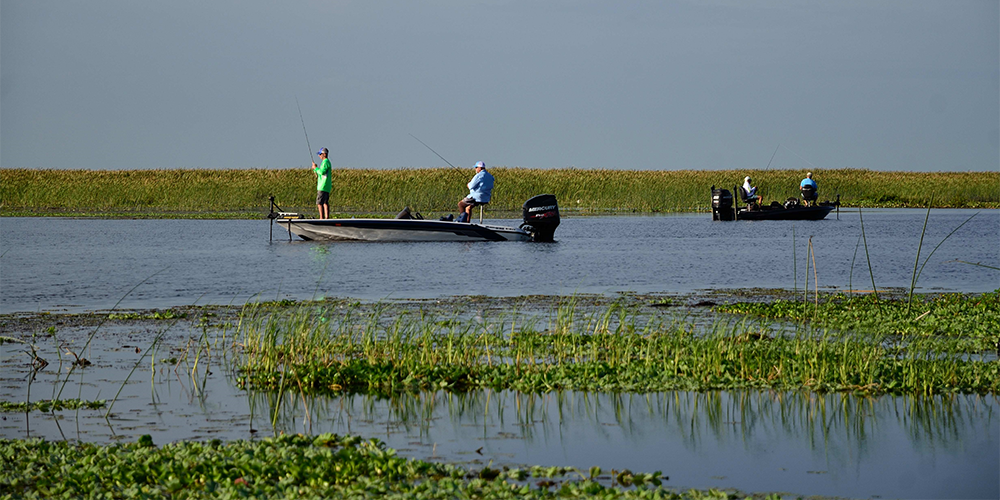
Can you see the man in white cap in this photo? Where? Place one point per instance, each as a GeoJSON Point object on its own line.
{"type": "Point", "coordinates": [751, 190]}
{"type": "Point", "coordinates": [480, 190]}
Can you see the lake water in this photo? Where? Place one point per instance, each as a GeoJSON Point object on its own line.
{"type": "Point", "coordinates": [803, 444]}
{"type": "Point", "coordinates": [755, 441]}
{"type": "Point", "coordinates": [49, 264]}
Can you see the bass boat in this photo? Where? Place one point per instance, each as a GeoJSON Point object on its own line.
{"type": "Point", "coordinates": [724, 209]}
{"type": "Point", "coordinates": [540, 214]}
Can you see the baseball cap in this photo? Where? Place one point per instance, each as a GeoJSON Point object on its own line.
{"type": "Point", "coordinates": [322, 151]}
{"type": "Point", "coordinates": [480, 164]}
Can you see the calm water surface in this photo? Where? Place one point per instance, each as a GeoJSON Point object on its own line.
{"type": "Point", "coordinates": [82, 264]}
{"type": "Point", "coordinates": [754, 441]}
{"type": "Point", "coordinates": [838, 445]}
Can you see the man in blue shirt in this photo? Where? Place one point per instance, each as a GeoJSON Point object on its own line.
{"type": "Point", "coordinates": [808, 189]}
{"type": "Point", "coordinates": [480, 190]}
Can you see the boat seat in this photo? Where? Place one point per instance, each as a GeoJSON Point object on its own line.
{"type": "Point", "coordinates": [744, 198]}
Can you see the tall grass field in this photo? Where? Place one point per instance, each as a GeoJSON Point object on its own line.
{"type": "Point", "coordinates": [244, 193]}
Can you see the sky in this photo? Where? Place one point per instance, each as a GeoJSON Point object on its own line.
{"type": "Point", "coordinates": [907, 85]}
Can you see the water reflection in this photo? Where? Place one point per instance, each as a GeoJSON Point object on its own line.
{"type": "Point", "coordinates": [839, 424]}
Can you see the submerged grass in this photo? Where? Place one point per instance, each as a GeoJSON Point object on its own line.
{"type": "Point", "coordinates": [47, 405]}
{"type": "Point", "coordinates": [244, 193]}
{"type": "Point", "coordinates": [618, 349]}
{"type": "Point", "coordinates": [325, 466]}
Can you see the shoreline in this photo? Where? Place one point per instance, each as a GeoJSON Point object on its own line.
{"type": "Point", "coordinates": [244, 194]}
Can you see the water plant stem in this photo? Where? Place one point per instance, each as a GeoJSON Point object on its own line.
{"type": "Point", "coordinates": [868, 257]}
{"type": "Point", "coordinates": [920, 245]}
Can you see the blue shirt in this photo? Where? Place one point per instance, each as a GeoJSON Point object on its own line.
{"type": "Point", "coordinates": [481, 187]}
{"type": "Point", "coordinates": [807, 182]}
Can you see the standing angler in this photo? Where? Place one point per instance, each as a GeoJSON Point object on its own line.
{"type": "Point", "coordinates": [323, 183]}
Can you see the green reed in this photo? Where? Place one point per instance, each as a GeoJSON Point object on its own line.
{"type": "Point", "coordinates": [617, 349]}
{"type": "Point", "coordinates": [953, 322]}
{"type": "Point", "coordinates": [244, 193]}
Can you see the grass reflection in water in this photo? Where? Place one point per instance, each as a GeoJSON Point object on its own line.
{"type": "Point", "coordinates": [835, 423]}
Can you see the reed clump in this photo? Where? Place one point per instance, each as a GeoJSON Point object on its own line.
{"type": "Point", "coordinates": [244, 193]}
{"type": "Point", "coordinates": [618, 349]}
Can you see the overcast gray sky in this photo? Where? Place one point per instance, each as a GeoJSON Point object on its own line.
{"type": "Point", "coordinates": [887, 85]}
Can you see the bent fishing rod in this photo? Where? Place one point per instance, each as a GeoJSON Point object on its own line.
{"type": "Point", "coordinates": [432, 151]}
{"type": "Point", "coordinates": [304, 129]}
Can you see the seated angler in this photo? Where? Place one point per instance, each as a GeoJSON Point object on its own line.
{"type": "Point", "coordinates": [480, 190]}
{"type": "Point", "coordinates": [808, 189]}
{"type": "Point", "coordinates": [751, 191]}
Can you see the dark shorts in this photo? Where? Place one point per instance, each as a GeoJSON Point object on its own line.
{"type": "Point", "coordinates": [322, 198]}
{"type": "Point", "coordinates": [469, 202]}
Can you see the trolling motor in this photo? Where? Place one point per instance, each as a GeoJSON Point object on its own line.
{"type": "Point", "coordinates": [722, 204]}
{"type": "Point", "coordinates": [541, 217]}
{"type": "Point", "coordinates": [280, 214]}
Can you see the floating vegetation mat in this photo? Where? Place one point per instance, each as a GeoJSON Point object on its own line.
{"type": "Point", "coordinates": [624, 346]}
{"type": "Point", "coordinates": [293, 466]}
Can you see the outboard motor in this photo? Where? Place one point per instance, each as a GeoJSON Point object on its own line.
{"type": "Point", "coordinates": [809, 193]}
{"type": "Point", "coordinates": [541, 217]}
{"type": "Point", "coordinates": [722, 204]}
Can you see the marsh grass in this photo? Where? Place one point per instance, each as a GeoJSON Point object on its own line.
{"type": "Point", "coordinates": [951, 323]}
{"type": "Point", "coordinates": [244, 193]}
{"type": "Point", "coordinates": [617, 349]}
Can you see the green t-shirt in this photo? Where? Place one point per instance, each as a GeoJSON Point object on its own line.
{"type": "Point", "coordinates": [323, 180]}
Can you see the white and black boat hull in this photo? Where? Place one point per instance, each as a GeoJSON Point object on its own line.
{"type": "Point", "coordinates": [399, 230]}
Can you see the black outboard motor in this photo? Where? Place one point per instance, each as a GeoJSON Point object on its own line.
{"type": "Point", "coordinates": [541, 217]}
{"type": "Point", "coordinates": [722, 204]}
{"type": "Point", "coordinates": [809, 193]}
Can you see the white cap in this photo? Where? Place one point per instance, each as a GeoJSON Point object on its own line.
{"type": "Point", "coordinates": [746, 179]}
{"type": "Point", "coordinates": [480, 164]}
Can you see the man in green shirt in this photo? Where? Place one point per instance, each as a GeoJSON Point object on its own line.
{"type": "Point", "coordinates": [323, 183]}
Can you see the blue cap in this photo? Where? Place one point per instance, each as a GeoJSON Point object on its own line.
{"type": "Point", "coordinates": [480, 164]}
{"type": "Point", "coordinates": [323, 151]}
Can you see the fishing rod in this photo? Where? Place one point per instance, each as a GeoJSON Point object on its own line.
{"type": "Point", "coordinates": [432, 151]}
{"type": "Point", "coordinates": [304, 129]}
{"type": "Point", "coordinates": [801, 158]}
{"type": "Point", "coordinates": [772, 157]}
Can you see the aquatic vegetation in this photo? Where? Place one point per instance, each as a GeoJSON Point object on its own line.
{"type": "Point", "coordinates": [293, 466]}
{"type": "Point", "coordinates": [244, 193]}
{"type": "Point", "coordinates": [164, 314]}
{"type": "Point", "coordinates": [960, 322]}
{"type": "Point", "coordinates": [47, 405]}
{"type": "Point", "coordinates": [617, 349]}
